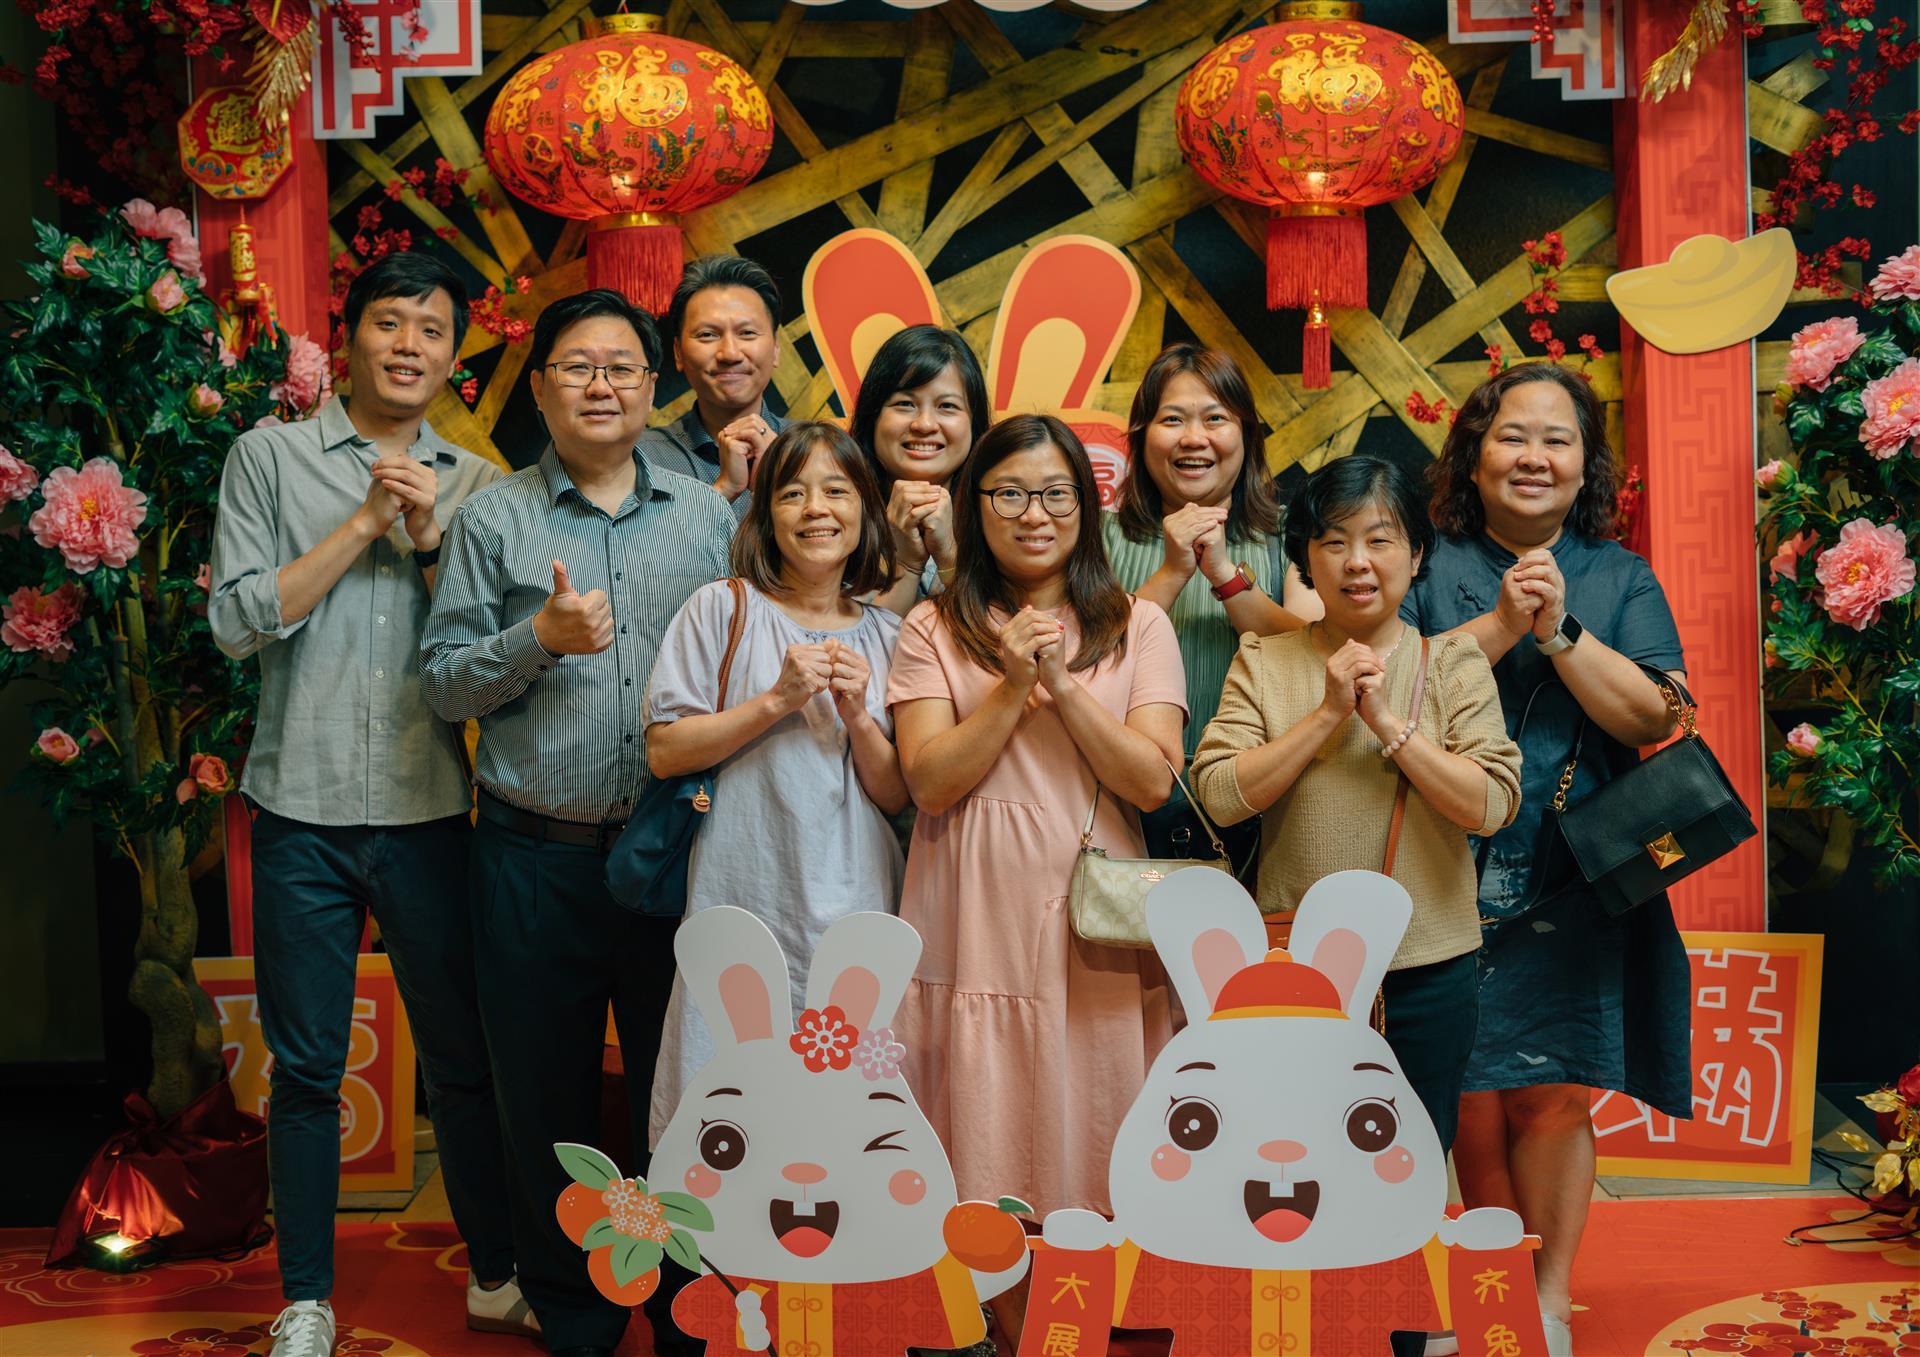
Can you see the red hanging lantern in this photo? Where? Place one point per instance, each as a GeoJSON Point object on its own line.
{"type": "Point", "coordinates": [623, 130]}
{"type": "Point", "coordinates": [1318, 117]}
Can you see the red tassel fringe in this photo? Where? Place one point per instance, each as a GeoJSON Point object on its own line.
{"type": "Point", "coordinates": [1309, 257]}
{"type": "Point", "coordinates": [1316, 356]}
{"type": "Point", "coordinates": [641, 263]}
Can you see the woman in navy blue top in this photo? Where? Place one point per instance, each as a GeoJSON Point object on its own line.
{"type": "Point", "coordinates": [1570, 999]}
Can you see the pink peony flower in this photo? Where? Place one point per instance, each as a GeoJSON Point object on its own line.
{"type": "Point", "coordinates": [1899, 276]}
{"type": "Point", "coordinates": [185, 790]}
{"type": "Point", "coordinates": [203, 578]}
{"type": "Point", "coordinates": [166, 294]}
{"type": "Point", "coordinates": [1821, 347]}
{"type": "Point", "coordinates": [210, 771]}
{"type": "Point", "coordinates": [32, 621]}
{"type": "Point", "coordinates": [90, 515]}
{"type": "Point", "coordinates": [1804, 740]}
{"type": "Point", "coordinates": [1769, 475]}
{"type": "Point", "coordinates": [171, 225]}
{"type": "Point", "coordinates": [17, 478]}
{"type": "Point", "coordinates": [1893, 410]}
{"type": "Point", "coordinates": [1786, 561]}
{"type": "Point", "coordinates": [309, 375]}
{"type": "Point", "coordinates": [267, 421]}
{"type": "Point", "coordinates": [1867, 567]}
{"type": "Point", "coordinates": [205, 400]}
{"type": "Point", "coordinates": [57, 746]}
{"type": "Point", "coordinates": [72, 263]}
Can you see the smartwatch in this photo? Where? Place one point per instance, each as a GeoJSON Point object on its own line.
{"type": "Point", "coordinates": [1241, 580]}
{"type": "Point", "coordinates": [1564, 635]}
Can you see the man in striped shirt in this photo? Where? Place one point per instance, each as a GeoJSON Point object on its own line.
{"type": "Point", "coordinates": [555, 588]}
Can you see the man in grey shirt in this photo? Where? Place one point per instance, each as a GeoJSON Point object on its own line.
{"type": "Point", "coordinates": [323, 560]}
{"type": "Point", "coordinates": [724, 324]}
{"type": "Point", "coordinates": [557, 587]}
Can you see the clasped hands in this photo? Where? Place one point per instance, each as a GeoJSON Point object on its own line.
{"type": "Point", "coordinates": [405, 489]}
{"type": "Point", "coordinates": [828, 666]}
{"type": "Point", "coordinates": [1195, 537]}
{"type": "Point", "coordinates": [1033, 650]}
{"type": "Point", "coordinates": [1533, 596]}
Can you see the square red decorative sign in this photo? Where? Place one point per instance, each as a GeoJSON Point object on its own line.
{"type": "Point", "coordinates": [376, 1097]}
{"type": "Point", "coordinates": [1756, 1028]}
{"type": "Point", "coordinates": [367, 49]}
{"type": "Point", "coordinates": [1584, 44]}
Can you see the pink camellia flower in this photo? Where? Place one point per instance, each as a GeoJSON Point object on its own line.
{"type": "Point", "coordinates": [1769, 475]}
{"type": "Point", "coordinates": [1893, 410]}
{"type": "Point", "coordinates": [166, 294]}
{"type": "Point", "coordinates": [1786, 561]}
{"type": "Point", "coordinates": [309, 375]}
{"type": "Point", "coordinates": [1804, 740]}
{"type": "Point", "coordinates": [171, 225]}
{"type": "Point", "coordinates": [210, 771]}
{"type": "Point", "coordinates": [1866, 568]}
{"type": "Point", "coordinates": [90, 515]}
{"type": "Point", "coordinates": [1899, 276]}
{"type": "Point", "coordinates": [205, 400]}
{"type": "Point", "coordinates": [73, 262]}
{"type": "Point", "coordinates": [57, 746]}
{"type": "Point", "coordinates": [17, 478]}
{"type": "Point", "coordinates": [1821, 347]}
{"type": "Point", "coordinates": [33, 621]}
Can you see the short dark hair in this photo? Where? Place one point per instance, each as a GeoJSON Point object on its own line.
{"type": "Point", "coordinates": [406, 273]}
{"type": "Point", "coordinates": [907, 362]}
{"type": "Point", "coordinates": [721, 270]}
{"type": "Point", "coordinates": [1343, 487]}
{"type": "Point", "coordinates": [1456, 504]}
{"type": "Point", "coordinates": [595, 301]}
{"type": "Point", "coordinates": [756, 550]}
{"type": "Point", "coordinates": [1254, 509]}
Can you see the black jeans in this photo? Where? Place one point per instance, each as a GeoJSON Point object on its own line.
{"type": "Point", "coordinates": [313, 885]}
{"type": "Point", "coordinates": [553, 949]}
{"type": "Point", "coordinates": [1431, 1013]}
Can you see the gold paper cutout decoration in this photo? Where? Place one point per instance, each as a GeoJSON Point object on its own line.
{"type": "Point", "coordinates": [1710, 293]}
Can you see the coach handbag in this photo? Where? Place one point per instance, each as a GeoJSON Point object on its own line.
{"type": "Point", "coordinates": [1107, 900]}
{"type": "Point", "coordinates": [647, 865]}
{"type": "Point", "coordinates": [1658, 822]}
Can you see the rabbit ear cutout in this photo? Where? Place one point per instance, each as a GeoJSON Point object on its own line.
{"type": "Point", "coordinates": [860, 289]}
{"type": "Point", "coordinates": [862, 967]}
{"type": "Point", "coordinates": [1206, 928]}
{"type": "Point", "coordinates": [1348, 928]}
{"type": "Point", "coordinates": [1062, 318]}
{"type": "Point", "coordinates": [735, 974]}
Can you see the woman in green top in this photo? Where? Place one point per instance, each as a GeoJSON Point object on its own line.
{"type": "Point", "coordinates": [1197, 531]}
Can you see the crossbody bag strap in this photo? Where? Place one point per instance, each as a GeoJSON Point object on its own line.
{"type": "Point", "coordinates": [1400, 792]}
{"type": "Point", "coordinates": [735, 627]}
{"type": "Point", "coordinates": [1679, 701]}
{"type": "Point", "coordinates": [1086, 830]}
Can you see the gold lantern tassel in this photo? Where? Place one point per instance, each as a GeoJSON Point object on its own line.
{"type": "Point", "coordinates": [1673, 69]}
{"type": "Point", "coordinates": [280, 71]}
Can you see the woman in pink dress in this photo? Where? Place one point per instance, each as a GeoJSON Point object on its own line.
{"type": "Point", "coordinates": [1032, 680]}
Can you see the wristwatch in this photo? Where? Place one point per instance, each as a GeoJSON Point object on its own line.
{"type": "Point", "coordinates": [424, 559]}
{"type": "Point", "coordinates": [1241, 580]}
{"type": "Point", "coordinates": [1564, 635]}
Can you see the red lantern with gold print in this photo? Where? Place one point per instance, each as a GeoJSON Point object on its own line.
{"type": "Point", "coordinates": [1317, 117]}
{"type": "Point", "coordinates": [623, 130]}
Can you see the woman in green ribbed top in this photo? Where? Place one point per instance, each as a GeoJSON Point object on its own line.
{"type": "Point", "coordinates": [1197, 531]}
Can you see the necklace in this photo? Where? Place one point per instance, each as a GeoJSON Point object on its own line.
{"type": "Point", "coordinates": [1390, 649]}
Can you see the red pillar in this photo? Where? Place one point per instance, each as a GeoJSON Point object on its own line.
{"type": "Point", "coordinates": [1681, 170]}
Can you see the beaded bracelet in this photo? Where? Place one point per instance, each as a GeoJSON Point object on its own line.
{"type": "Point", "coordinates": [1400, 740]}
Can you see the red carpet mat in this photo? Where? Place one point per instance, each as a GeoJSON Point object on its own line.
{"type": "Point", "coordinates": [1654, 1277]}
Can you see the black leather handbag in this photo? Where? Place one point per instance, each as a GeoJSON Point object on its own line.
{"type": "Point", "coordinates": [647, 865]}
{"type": "Point", "coordinates": [1658, 822]}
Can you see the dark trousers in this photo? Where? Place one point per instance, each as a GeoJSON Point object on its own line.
{"type": "Point", "coordinates": [313, 886]}
{"type": "Point", "coordinates": [553, 949]}
{"type": "Point", "coordinates": [1431, 1013]}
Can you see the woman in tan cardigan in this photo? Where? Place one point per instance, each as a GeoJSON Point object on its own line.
{"type": "Point", "coordinates": [1317, 727]}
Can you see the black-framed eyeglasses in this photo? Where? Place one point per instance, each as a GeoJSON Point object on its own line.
{"type": "Point", "coordinates": [1010, 501]}
{"type": "Point", "coordinates": [620, 376]}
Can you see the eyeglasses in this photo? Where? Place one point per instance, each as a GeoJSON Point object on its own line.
{"type": "Point", "coordinates": [620, 376]}
{"type": "Point", "coordinates": [1010, 501]}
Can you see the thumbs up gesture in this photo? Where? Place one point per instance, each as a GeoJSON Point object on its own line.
{"type": "Point", "coordinates": [573, 623]}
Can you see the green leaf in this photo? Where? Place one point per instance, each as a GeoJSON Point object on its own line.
{"type": "Point", "coordinates": [684, 1210]}
{"type": "Point", "coordinates": [632, 1257]}
{"type": "Point", "coordinates": [1014, 1206]}
{"type": "Point", "coordinates": [1850, 405]}
{"type": "Point", "coordinates": [587, 1166]}
{"type": "Point", "coordinates": [1804, 418]}
{"type": "Point", "coordinates": [682, 1249]}
{"type": "Point", "coordinates": [601, 1234]}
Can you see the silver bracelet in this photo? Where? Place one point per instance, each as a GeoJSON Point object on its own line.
{"type": "Point", "coordinates": [1400, 740]}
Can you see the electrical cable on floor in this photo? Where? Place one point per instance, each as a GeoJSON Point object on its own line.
{"type": "Point", "coordinates": [1859, 1194]}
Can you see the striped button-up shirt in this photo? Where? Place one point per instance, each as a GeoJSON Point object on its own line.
{"type": "Point", "coordinates": [685, 446]}
{"type": "Point", "coordinates": [342, 735]}
{"type": "Point", "coordinates": [561, 735]}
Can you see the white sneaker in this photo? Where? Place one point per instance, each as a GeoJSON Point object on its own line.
{"type": "Point", "coordinates": [501, 1310]}
{"type": "Point", "coordinates": [1559, 1335]}
{"type": "Point", "coordinates": [1444, 1343]}
{"type": "Point", "coordinates": [304, 1329]}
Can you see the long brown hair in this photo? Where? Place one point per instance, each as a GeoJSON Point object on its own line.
{"type": "Point", "coordinates": [1456, 506]}
{"type": "Point", "coordinates": [1102, 607]}
{"type": "Point", "coordinates": [1254, 509]}
{"type": "Point", "coordinates": [756, 548]}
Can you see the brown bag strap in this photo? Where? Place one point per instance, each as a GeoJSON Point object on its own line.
{"type": "Point", "coordinates": [1400, 792]}
{"type": "Point", "coordinates": [735, 627]}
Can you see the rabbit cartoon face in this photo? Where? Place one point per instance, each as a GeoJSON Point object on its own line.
{"type": "Point", "coordinates": [806, 1146]}
{"type": "Point", "coordinates": [1277, 1130]}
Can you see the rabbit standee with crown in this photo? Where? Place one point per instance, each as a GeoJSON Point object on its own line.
{"type": "Point", "coordinates": [807, 1188]}
{"type": "Point", "coordinates": [1064, 313]}
{"type": "Point", "coordinates": [1277, 1187]}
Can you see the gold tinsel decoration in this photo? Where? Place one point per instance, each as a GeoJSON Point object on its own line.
{"type": "Point", "coordinates": [1673, 69]}
{"type": "Point", "coordinates": [281, 70]}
